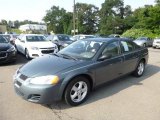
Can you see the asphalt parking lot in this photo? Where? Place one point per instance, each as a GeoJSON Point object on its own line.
{"type": "Point", "coordinates": [128, 98]}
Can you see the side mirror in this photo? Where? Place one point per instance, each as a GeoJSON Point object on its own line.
{"type": "Point", "coordinates": [104, 57]}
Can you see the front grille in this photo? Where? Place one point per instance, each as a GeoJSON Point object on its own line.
{"type": "Point", "coordinates": [23, 77]}
{"type": "Point", "coordinates": [47, 48]}
{"type": "Point", "coordinates": [3, 55]}
{"type": "Point", "coordinates": [47, 51]}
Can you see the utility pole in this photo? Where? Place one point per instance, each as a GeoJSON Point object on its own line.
{"type": "Point", "coordinates": [74, 20]}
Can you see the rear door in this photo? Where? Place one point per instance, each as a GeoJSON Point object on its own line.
{"type": "Point", "coordinates": [111, 68]}
{"type": "Point", "coordinates": [131, 56]}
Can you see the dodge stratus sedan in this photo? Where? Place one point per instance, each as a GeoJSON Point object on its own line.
{"type": "Point", "coordinates": [75, 71]}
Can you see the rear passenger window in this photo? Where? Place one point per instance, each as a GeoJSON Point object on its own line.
{"type": "Point", "coordinates": [127, 46]}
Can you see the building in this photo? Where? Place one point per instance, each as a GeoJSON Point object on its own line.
{"type": "Point", "coordinates": [33, 28]}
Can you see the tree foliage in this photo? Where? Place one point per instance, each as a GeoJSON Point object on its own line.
{"type": "Point", "coordinates": [115, 17]}
{"type": "Point", "coordinates": [87, 18]}
{"type": "Point", "coordinates": [55, 19]}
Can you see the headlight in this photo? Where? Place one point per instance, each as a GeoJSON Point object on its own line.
{"type": "Point", "coordinates": [34, 48]}
{"type": "Point", "coordinates": [65, 45]}
{"type": "Point", "coordinates": [45, 80]}
{"type": "Point", "coordinates": [11, 49]}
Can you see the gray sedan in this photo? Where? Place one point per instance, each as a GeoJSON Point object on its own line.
{"type": "Point", "coordinates": [76, 70]}
{"type": "Point", "coordinates": [144, 41]}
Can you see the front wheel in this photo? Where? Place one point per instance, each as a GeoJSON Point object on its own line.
{"type": "Point", "coordinates": [27, 54]}
{"type": "Point", "coordinates": [144, 45]}
{"type": "Point", "coordinates": [77, 91]}
{"type": "Point", "coordinates": [140, 69]}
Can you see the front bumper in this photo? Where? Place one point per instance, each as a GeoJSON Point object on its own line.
{"type": "Point", "coordinates": [38, 94]}
{"type": "Point", "coordinates": [42, 94]}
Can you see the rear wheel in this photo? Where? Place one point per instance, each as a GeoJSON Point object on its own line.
{"type": "Point", "coordinates": [144, 45]}
{"type": "Point", "coordinates": [140, 69]}
{"type": "Point", "coordinates": [77, 91]}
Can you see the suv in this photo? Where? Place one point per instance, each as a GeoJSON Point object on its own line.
{"type": "Point", "coordinates": [33, 46]}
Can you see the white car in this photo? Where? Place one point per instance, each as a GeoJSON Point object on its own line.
{"type": "Point", "coordinates": [33, 46]}
{"type": "Point", "coordinates": [156, 43]}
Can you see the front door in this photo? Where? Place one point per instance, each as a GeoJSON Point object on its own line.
{"type": "Point", "coordinates": [112, 67]}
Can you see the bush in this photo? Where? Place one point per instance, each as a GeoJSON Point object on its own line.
{"type": "Point", "coordinates": [135, 33]}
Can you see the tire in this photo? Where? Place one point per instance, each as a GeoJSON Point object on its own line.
{"type": "Point", "coordinates": [60, 48]}
{"type": "Point", "coordinates": [27, 54]}
{"type": "Point", "coordinates": [140, 69]}
{"type": "Point", "coordinates": [144, 45]}
{"type": "Point", "coordinates": [77, 91]}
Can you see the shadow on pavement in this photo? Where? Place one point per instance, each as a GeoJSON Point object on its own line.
{"type": "Point", "coordinates": [111, 88]}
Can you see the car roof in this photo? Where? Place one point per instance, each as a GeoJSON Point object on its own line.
{"type": "Point", "coordinates": [106, 39]}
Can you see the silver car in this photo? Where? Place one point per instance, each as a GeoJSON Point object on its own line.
{"type": "Point", "coordinates": [143, 41]}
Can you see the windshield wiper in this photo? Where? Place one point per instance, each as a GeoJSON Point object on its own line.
{"type": "Point", "coordinates": [68, 56]}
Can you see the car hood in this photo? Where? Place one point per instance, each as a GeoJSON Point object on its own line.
{"type": "Point", "coordinates": [47, 65]}
{"type": "Point", "coordinates": [4, 46]}
{"type": "Point", "coordinates": [45, 44]}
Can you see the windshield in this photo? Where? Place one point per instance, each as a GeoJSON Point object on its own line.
{"type": "Point", "coordinates": [3, 40]}
{"type": "Point", "coordinates": [83, 49]}
{"type": "Point", "coordinates": [35, 38]}
{"type": "Point", "coordinates": [63, 37]}
{"type": "Point", "coordinates": [7, 36]}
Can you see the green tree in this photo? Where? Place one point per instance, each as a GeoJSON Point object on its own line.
{"type": "Point", "coordinates": [115, 17]}
{"type": "Point", "coordinates": [87, 18]}
{"type": "Point", "coordinates": [158, 2]}
{"type": "Point", "coordinates": [57, 20]}
{"type": "Point", "coordinates": [3, 22]}
{"type": "Point", "coordinates": [147, 17]}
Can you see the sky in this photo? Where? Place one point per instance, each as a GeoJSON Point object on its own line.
{"type": "Point", "coordinates": [35, 10]}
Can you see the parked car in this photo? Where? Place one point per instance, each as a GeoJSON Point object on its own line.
{"type": "Point", "coordinates": [77, 69]}
{"type": "Point", "coordinates": [144, 41]}
{"type": "Point", "coordinates": [80, 37]}
{"type": "Point", "coordinates": [61, 40]}
{"type": "Point", "coordinates": [11, 38]}
{"type": "Point", "coordinates": [114, 36]}
{"type": "Point", "coordinates": [7, 51]}
{"type": "Point", "coordinates": [156, 43]}
{"type": "Point", "coordinates": [33, 46]}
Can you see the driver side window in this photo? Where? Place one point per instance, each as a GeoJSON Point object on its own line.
{"type": "Point", "coordinates": [111, 49]}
